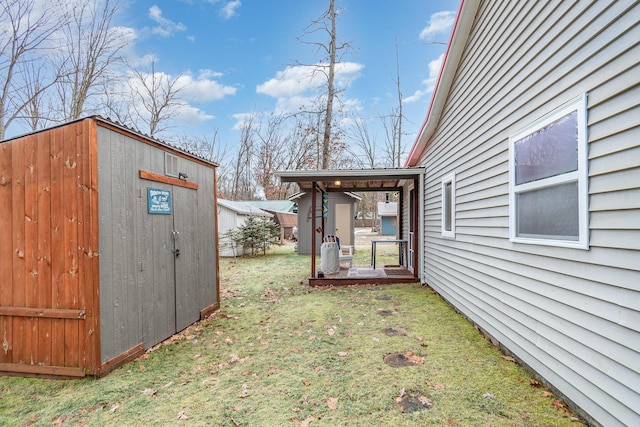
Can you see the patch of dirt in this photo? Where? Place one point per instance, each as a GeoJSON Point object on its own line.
{"type": "Point", "coordinates": [383, 297]}
{"type": "Point", "coordinates": [395, 332]}
{"type": "Point", "coordinates": [385, 312]}
{"type": "Point", "coordinates": [412, 402]}
{"type": "Point", "coordinates": [399, 360]}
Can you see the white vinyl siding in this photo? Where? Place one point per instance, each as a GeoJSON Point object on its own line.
{"type": "Point", "coordinates": [571, 315]}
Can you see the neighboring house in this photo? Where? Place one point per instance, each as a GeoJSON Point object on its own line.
{"type": "Point", "coordinates": [388, 217]}
{"type": "Point", "coordinates": [284, 214]}
{"type": "Point", "coordinates": [231, 215]}
{"type": "Point", "coordinates": [337, 212]}
{"type": "Point", "coordinates": [109, 247]}
{"type": "Point", "coordinates": [531, 198]}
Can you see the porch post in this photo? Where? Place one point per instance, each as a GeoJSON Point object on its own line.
{"type": "Point", "coordinates": [313, 229]}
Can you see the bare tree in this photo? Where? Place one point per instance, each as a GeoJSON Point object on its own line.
{"type": "Point", "coordinates": [207, 147]}
{"type": "Point", "coordinates": [89, 54]}
{"type": "Point", "coordinates": [326, 24]}
{"type": "Point", "coordinates": [243, 187]}
{"type": "Point", "coordinates": [155, 99]}
{"type": "Point", "coordinates": [362, 139]}
{"type": "Point", "coordinates": [392, 124]}
{"type": "Point", "coordinates": [25, 28]}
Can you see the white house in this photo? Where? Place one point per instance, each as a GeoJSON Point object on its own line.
{"type": "Point", "coordinates": [530, 204]}
{"type": "Point", "coordinates": [232, 215]}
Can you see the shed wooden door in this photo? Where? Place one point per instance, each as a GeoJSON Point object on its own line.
{"type": "Point", "coordinates": [170, 291]}
{"type": "Point", "coordinates": [185, 219]}
{"type": "Point", "coordinates": [343, 223]}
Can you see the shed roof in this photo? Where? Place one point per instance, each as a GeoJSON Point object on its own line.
{"type": "Point", "coordinates": [387, 208]}
{"type": "Point", "coordinates": [348, 180]}
{"type": "Point", "coordinates": [273, 205]}
{"type": "Point", "coordinates": [109, 123]}
{"type": "Point", "coordinates": [243, 208]}
{"type": "Point", "coordinates": [286, 219]}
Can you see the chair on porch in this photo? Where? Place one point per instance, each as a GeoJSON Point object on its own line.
{"type": "Point", "coordinates": [345, 252]}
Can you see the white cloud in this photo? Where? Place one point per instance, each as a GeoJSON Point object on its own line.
{"type": "Point", "coordinates": [166, 27]}
{"type": "Point", "coordinates": [430, 83]}
{"type": "Point", "coordinates": [298, 79]}
{"type": "Point", "coordinates": [203, 88]}
{"type": "Point", "coordinates": [230, 9]}
{"type": "Point", "coordinates": [440, 22]}
{"type": "Point", "coordinates": [188, 115]}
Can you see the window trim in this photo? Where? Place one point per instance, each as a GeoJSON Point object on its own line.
{"type": "Point", "coordinates": [450, 234]}
{"type": "Point", "coordinates": [578, 104]}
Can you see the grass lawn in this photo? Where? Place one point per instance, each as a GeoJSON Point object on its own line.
{"type": "Point", "coordinates": [279, 353]}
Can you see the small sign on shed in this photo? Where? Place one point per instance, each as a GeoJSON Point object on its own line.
{"type": "Point", "coordinates": [158, 201]}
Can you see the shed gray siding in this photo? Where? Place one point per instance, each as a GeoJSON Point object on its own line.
{"type": "Point", "coordinates": [138, 302]}
{"type": "Point", "coordinates": [572, 315]}
{"type": "Point", "coordinates": [304, 219]}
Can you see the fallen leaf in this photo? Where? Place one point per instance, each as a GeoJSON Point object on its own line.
{"type": "Point", "coordinates": [114, 408]}
{"type": "Point", "coordinates": [560, 405]}
{"type": "Point", "coordinates": [547, 394]}
{"type": "Point", "coordinates": [439, 386]}
{"type": "Point", "coordinates": [304, 423]}
{"type": "Point", "coordinates": [418, 360]}
{"type": "Point", "coordinates": [509, 359]}
{"type": "Point", "coordinates": [197, 356]}
{"type": "Point", "coordinates": [488, 396]}
{"type": "Point", "coordinates": [342, 354]}
{"type": "Point", "coordinates": [574, 419]}
{"type": "Point", "coordinates": [332, 403]}
{"type": "Point", "coordinates": [57, 420]}
{"type": "Point", "coordinates": [331, 331]}
{"type": "Point", "coordinates": [319, 368]}
{"type": "Point", "coordinates": [305, 382]}
{"type": "Point", "coordinates": [534, 382]}
{"type": "Point", "coordinates": [182, 416]}
{"type": "Point", "coordinates": [452, 422]}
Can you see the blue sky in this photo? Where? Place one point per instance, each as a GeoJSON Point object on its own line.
{"type": "Point", "coordinates": [242, 56]}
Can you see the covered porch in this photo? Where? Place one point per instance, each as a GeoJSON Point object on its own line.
{"type": "Point", "coordinates": [367, 270]}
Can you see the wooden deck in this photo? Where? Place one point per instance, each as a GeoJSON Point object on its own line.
{"type": "Point", "coordinates": [366, 275]}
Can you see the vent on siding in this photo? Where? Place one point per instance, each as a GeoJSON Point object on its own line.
{"type": "Point", "coordinates": [170, 165]}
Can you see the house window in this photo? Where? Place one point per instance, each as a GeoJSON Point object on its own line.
{"type": "Point", "coordinates": [548, 179]}
{"type": "Point", "coordinates": [170, 165]}
{"type": "Point", "coordinates": [449, 206]}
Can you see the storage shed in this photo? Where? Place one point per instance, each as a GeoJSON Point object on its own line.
{"type": "Point", "coordinates": [336, 215]}
{"type": "Point", "coordinates": [388, 216]}
{"type": "Point", "coordinates": [231, 215]}
{"type": "Point", "coordinates": [109, 247]}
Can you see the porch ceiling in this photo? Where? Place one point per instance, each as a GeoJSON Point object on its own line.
{"type": "Point", "coordinates": [360, 180]}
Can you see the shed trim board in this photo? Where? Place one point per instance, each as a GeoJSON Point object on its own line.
{"type": "Point", "coordinates": [57, 294]}
{"type": "Point", "coordinates": [571, 314]}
